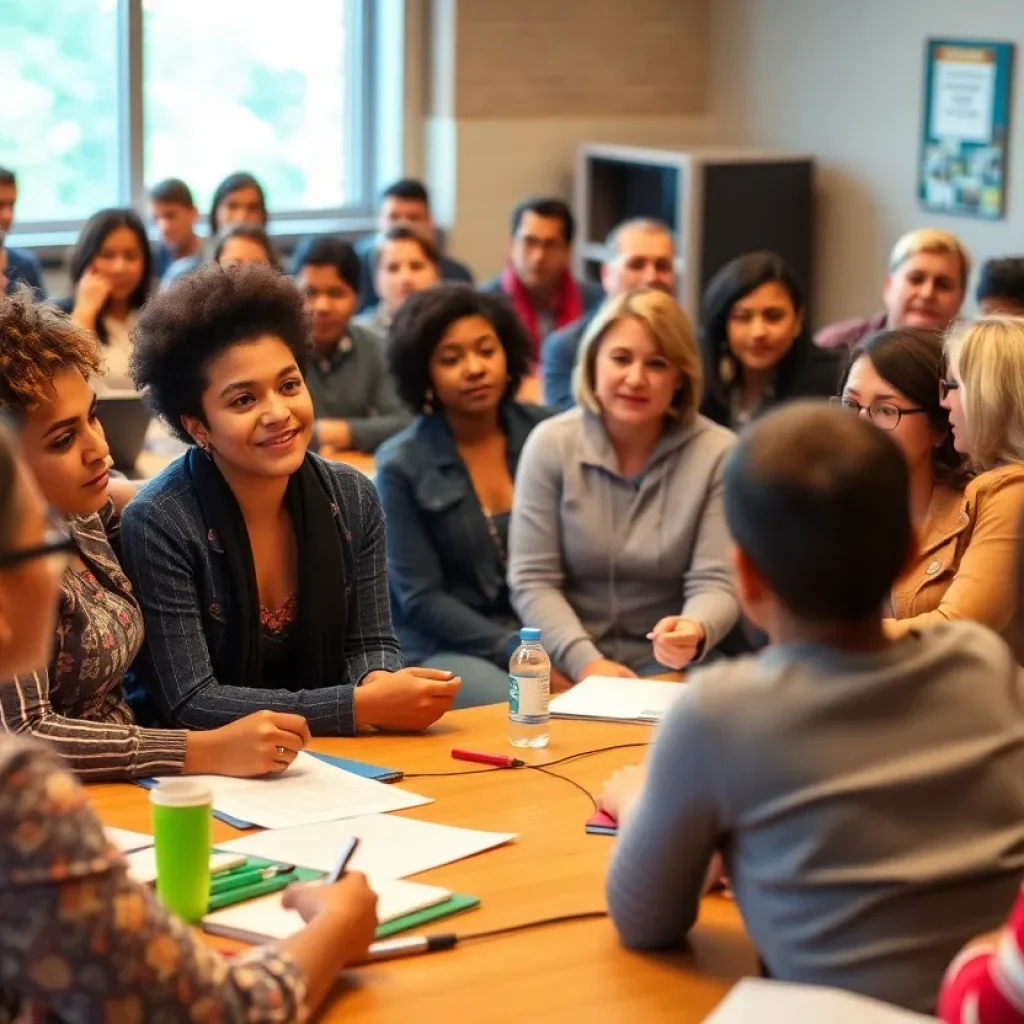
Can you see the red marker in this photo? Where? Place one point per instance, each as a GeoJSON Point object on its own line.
{"type": "Point", "coordinates": [498, 760]}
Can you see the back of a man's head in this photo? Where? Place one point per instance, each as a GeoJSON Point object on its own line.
{"type": "Point", "coordinates": [818, 501]}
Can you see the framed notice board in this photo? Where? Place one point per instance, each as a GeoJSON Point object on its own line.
{"type": "Point", "coordinates": [965, 127]}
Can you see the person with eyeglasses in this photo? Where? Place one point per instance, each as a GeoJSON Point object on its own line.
{"type": "Point", "coordinates": [75, 699]}
{"type": "Point", "coordinates": [966, 498]}
{"type": "Point", "coordinates": [82, 941]}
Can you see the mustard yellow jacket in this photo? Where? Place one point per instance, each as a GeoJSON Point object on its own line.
{"type": "Point", "coordinates": [969, 561]}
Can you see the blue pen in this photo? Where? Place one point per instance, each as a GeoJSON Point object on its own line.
{"type": "Point", "coordinates": [349, 848]}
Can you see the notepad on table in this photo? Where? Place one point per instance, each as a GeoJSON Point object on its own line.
{"type": "Point", "coordinates": [608, 699]}
{"type": "Point", "coordinates": [776, 1002]}
{"type": "Point", "coordinates": [265, 919]}
{"type": "Point", "coordinates": [389, 846]}
{"type": "Point", "coordinates": [309, 791]}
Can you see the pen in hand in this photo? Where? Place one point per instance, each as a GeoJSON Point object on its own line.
{"type": "Point", "coordinates": [347, 852]}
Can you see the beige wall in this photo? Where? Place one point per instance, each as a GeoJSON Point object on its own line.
{"type": "Point", "coordinates": [514, 88]}
{"type": "Point", "coordinates": [843, 81]}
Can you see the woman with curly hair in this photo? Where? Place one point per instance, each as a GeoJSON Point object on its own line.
{"type": "Point", "coordinates": [81, 940]}
{"type": "Point", "coordinates": [77, 702]}
{"type": "Point", "coordinates": [445, 481]}
{"type": "Point", "coordinates": [259, 566]}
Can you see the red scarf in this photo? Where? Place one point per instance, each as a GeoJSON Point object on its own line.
{"type": "Point", "coordinates": [568, 305]}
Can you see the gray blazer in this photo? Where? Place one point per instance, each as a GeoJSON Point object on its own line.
{"type": "Point", "coordinates": [595, 560]}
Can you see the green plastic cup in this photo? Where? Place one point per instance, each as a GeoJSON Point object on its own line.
{"type": "Point", "coordinates": [182, 813]}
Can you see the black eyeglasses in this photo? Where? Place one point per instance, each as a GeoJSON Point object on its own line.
{"type": "Point", "coordinates": [56, 541]}
{"type": "Point", "coordinates": [883, 415]}
{"type": "Point", "coordinates": [947, 385]}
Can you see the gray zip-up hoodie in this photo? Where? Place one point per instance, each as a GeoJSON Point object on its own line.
{"type": "Point", "coordinates": [595, 560]}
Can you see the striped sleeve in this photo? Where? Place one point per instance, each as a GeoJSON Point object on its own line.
{"type": "Point", "coordinates": [985, 984]}
{"type": "Point", "coordinates": [370, 642]}
{"type": "Point", "coordinates": [95, 750]}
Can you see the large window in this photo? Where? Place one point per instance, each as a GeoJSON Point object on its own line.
{"type": "Point", "coordinates": [101, 98]}
{"type": "Point", "coordinates": [59, 105]}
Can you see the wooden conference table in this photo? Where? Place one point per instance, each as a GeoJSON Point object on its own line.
{"type": "Point", "coordinates": [569, 972]}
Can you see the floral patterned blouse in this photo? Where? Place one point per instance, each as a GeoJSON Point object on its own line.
{"type": "Point", "coordinates": [81, 943]}
{"type": "Point", "coordinates": [77, 703]}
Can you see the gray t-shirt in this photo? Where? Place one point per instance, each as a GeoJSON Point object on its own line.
{"type": "Point", "coordinates": [870, 809]}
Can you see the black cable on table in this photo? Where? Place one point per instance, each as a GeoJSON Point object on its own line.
{"type": "Point", "coordinates": [588, 915]}
{"type": "Point", "coordinates": [554, 775]}
{"type": "Point", "coordinates": [443, 775]}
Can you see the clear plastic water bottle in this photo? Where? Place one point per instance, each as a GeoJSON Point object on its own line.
{"type": "Point", "coordinates": [529, 687]}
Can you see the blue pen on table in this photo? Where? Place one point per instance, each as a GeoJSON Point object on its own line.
{"type": "Point", "coordinates": [350, 847]}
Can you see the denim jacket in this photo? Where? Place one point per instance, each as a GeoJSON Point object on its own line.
{"type": "Point", "coordinates": [446, 576]}
{"type": "Point", "coordinates": [181, 579]}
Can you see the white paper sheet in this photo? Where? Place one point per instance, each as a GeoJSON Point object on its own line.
{"type": "Point", "coordinates": [776, 1002]}
{"type": "Point", "coordinates": [264, 919]}
{"type": "Point", "coordinates": [609, 699]}
{"type": "Point", "coordinates": [389, 847]}
{"type": "Point", "coordinates": [309, 791]}
{"type": "Point", "coordinates": [127, 841]}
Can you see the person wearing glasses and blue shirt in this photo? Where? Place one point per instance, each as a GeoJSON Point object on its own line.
{"type": "Point", "coordinates": [953, 406]}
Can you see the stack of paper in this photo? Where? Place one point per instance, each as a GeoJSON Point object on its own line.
{"type": "Point", "coordinates": [605, 699]}
{"type": "Point", "coordinates": [389, 847]}
{"type": "Point", "coordinates": [265, 919]}
{"type": "Point", "coordinates": [309, 791]}
{"type": "Point", "coordinates": [776, 1002]}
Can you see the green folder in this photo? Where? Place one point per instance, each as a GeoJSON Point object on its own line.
{"type": "Point", "coordinates": [455, 904]}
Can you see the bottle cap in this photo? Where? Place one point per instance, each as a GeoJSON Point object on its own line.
{"type": "Point", "coordinates": [529, 634]}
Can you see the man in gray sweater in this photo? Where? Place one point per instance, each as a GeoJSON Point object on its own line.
{"type": "Point", "coordinates": [867, 795]}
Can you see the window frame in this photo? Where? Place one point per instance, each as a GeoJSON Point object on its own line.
{"type": "Point", "coordinates": [368, 27]}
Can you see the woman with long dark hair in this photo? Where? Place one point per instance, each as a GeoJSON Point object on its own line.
{"type": "Point", "coordinates": [112, 271]}
{"type": "Point", "coordinates": [755, 345]}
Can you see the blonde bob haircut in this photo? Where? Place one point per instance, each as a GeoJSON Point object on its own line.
{"type": "Point", "coordinates": [987, 357]}
{"type": "Point", "coordinates": [671, 331]}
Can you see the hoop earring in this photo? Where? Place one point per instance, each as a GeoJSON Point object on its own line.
{"type": "Point", "coordinates": [428, 401]}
